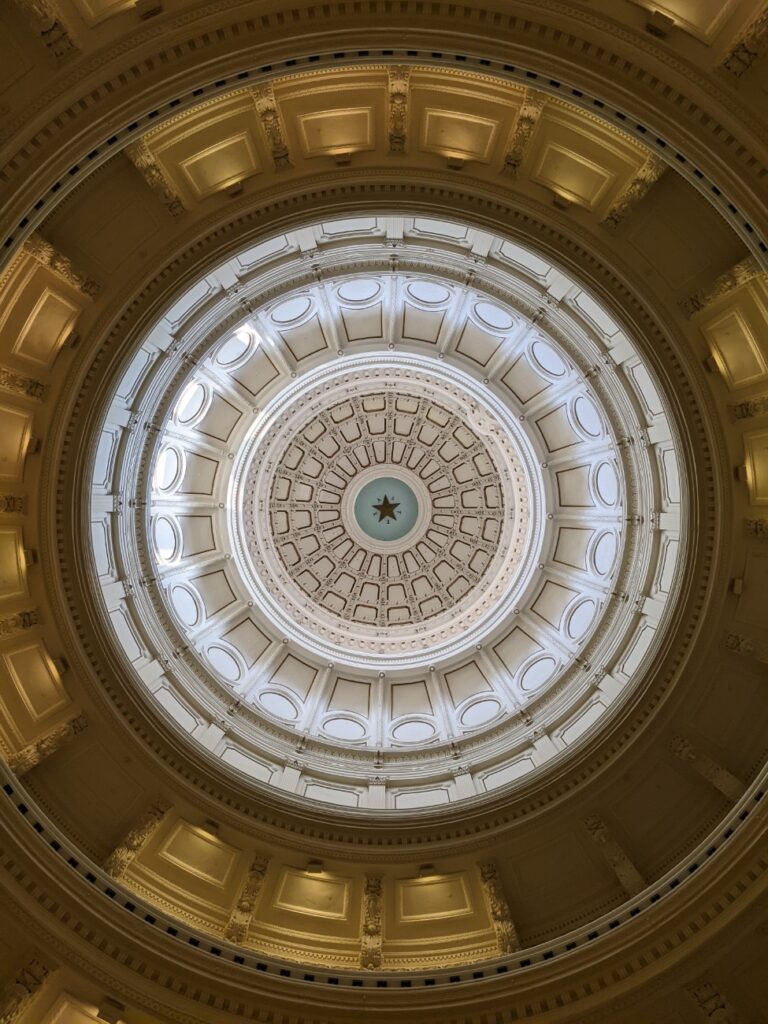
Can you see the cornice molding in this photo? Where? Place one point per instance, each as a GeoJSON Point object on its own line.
{"type": "Point", "coordinates": [596, 69]}
{"type": "Point", "coordinates": [62, 910]}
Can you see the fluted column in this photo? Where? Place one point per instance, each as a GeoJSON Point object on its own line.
{"type": "Point", "coordinates": [629, 877]}
{"type": "Point", "coordinates": [370, 943]}
{"type": "Point", "coordinates": [28, 980]}
{"type": "Point", "coordinates": [118, 861]}
{"type": "Point", "coordinates": [240, 918]}
{"type": "Point", "coordinates": [707, 768]}
{"type": "Point", "coordinates": [32, 755]}
{"type": "Point", "coordinates": [501, 916]}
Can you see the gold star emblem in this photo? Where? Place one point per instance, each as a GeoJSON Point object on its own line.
{"type": "Point", "coordinates": [386, 509]}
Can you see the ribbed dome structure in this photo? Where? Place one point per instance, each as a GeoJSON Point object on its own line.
{"type": "Point", "coordinates": [383, 473]}
{"type": "Point", "coordinates": [531, 585]}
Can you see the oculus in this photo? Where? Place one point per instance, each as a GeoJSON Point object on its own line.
{"type": "Point", "coordinates": [386, 508]}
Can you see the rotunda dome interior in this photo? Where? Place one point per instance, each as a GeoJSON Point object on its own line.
{"type": "Point", "coordinates": [384, 465]}
{"type": "Point", "coordinates": [534, 554]}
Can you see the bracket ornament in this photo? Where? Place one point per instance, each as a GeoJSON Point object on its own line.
{"type": "Point", "coordinates": [47, 255]}
{"type": "Point", "coordinates": [398, 108]}
{"type": "Point", "coordinates": [740, 273]}
{"type": "Point", "coordinates": [629, 877]}
{"type": "Point", "coordinates": [370, 944]}
{"type": "Point", "coordinates": [522, 132]}
{"type": "Point", "coordinates": [503, 925]}
{"type": "Point", "coordinates": [143, 160]}
{"type": "Point", "coordinates": [27, 982]}
{"type": "Point", "coordinates": [34, 754]}
{"type": "Point", "coordinates": [636, 189]}
{"type": "Point", "coordinates": [121, 857]}
{"type": "Point", "coordinates": [240, 918]}
{"type": "Point", "coordinates": [269, 116]}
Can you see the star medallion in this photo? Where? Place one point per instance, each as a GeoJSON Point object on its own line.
{"type": "Point", "coordinates": [386, 509]}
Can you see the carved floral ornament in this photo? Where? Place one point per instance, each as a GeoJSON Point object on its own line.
{"type": "Point", "coordinates": [268, 435]}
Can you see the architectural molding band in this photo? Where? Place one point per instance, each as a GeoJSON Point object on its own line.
{"type": "Point", "coordinates": [198, 920]}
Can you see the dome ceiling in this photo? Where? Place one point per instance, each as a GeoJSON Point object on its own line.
{"type": "Point", "coordinates": [402, 423]}
{"type": "Point", "coordinates": [524, 441]}
{"type": "Point", "coordinates": [516, 765]}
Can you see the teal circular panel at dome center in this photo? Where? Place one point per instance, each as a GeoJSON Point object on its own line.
{"type": "Point", "coordinates": [386, 509]}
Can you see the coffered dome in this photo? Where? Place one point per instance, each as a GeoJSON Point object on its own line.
{"type": "Point", "coordinates": [383, 472]}
{"type": "Point", "coordinates": [526, 445]}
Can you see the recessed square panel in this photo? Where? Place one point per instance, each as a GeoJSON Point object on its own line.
{"type": "Point", "coordinates": [15, 430]}
{"type": "Point", "coordinates": [432, 898]}
{"type": "Point", "coordinates": [13, 567]}
{"type": "Point", "coordinates": [36, 680]}
{"type": "Point", "coordinates": [754, 595]}
{"type": "Point", "coordinates": [94, 11]}
{"type": "Point", "coordinates": [329, 132]}
{"type": "Point", "coordinates": [221, 165]}
{"type": "Point", "coordinates": [46, 328]}
{"type": "Point", "coordinates": [700, 18]}
{"type": "Point", "coordinates": [314, 895]}
{"type": "Point", "coordinates": [756, 445]}
{"type": "Point", "coordinates": [200, 853]}
{"type": "Point", "coordinates": [466, 136]}
{"type": "Point", "coordinates": [736, 329]}
{"type": "Point", "coordinates": [571, 175]}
